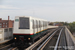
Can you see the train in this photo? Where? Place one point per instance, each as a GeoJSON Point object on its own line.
{"type": "Point", "coordinates": [27, 29]}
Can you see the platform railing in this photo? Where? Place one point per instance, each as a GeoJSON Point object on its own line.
{"type": "Point", "coordinates": [70, 39]}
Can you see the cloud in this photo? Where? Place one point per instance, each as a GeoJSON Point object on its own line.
{"type": "Point", "coordinates": [48, 13]}
{"type": "Point", "coordinates": [8, 7]}
{"type": "Point", "coordinates": [52, 10]}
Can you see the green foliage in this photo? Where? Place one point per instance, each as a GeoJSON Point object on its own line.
{"type": "Point", "coordinates": [72, 26]}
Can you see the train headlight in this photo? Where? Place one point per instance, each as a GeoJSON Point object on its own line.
{"type": "Point", "coordinates": [15, 38]}
{"type": "Point", "coordinates": [28, 38]}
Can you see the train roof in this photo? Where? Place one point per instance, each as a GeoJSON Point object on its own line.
{"type": "Point", "coordinates": [31, 17]}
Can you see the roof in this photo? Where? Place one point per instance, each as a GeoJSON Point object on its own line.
{"type": "Point", "coordinates": [6, 20]}
{"type": "Point", "coordinates": [29, 17]}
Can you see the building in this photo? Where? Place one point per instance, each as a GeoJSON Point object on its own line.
{"type": "Point", "coordinates": [6, 23]}
{"type": "Point", "coordinates": [6, 29]}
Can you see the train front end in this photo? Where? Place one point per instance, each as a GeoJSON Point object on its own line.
{"type": "Point", "coordinates": [22, 32]}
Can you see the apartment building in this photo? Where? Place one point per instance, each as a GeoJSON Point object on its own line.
{"type": "Point", "coordinates": [6, 23]}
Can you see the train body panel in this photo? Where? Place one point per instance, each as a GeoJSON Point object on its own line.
{"type": "Point", "coordinates": [16, 27]}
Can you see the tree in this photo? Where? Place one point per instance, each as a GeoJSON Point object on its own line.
{"type": "Point", "coordinates": [72, 26]}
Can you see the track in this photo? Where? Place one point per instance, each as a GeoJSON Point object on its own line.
{"type": "Point", "coordinates": [6, 45]}
{"type": "Point", "coordinates": [62, 41]}
{"type": "Point", "coordinates": [42, 46]}
{"type": "Point", "coordinates": [37, 45]}
{"type": "Point", "coordinates": [57, 42]}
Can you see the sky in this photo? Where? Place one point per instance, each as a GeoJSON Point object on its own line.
{"type": "Point", "coordinates": [51, 10]}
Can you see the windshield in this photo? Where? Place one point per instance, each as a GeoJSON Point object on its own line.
{"type": "Point", "coordinates": [24, 23]}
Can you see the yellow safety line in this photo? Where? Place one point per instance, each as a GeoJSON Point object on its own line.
{"type": "Point", "coordinates": [41, 30]}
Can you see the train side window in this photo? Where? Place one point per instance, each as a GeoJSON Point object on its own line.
{"type": "Point", "coordinates": [33, 25]}
{"type": "Point", "coordinates": [45, 23]}
{"type": "Point", "coordinates": [42, 23]}
{"type": "Point", "coordinates": [36, 24]}
{"type": "Point", "coordinates": [39, 23]}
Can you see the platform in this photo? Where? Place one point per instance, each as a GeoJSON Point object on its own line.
{"type": "Point", "coordinates": [4, 41]}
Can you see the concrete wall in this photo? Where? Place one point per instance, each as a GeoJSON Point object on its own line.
{"type": "Point", "coordinates": [5, 35]}
{"type": "Point", "coordinates": [70, 39]}
{"type": "Point", "coordinates": [1, 34]}
{"type": "Point", "coordinates": [53, 26]}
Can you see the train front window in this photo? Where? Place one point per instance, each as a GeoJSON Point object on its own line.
{"type": "Point", "coordinates": [24, 23]}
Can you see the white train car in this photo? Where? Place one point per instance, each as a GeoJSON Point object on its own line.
{"type": "Point", "coordinates": [28, 28]}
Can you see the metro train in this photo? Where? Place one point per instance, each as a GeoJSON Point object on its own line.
{"type": "Point", "coordinates": [27, 28]}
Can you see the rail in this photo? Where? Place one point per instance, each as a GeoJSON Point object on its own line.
{"type": "Point", "coordinates": [39, 41]}
{"type": "Point", "coordinates": [46, 41]}
{"type": "Point", "coordinates": [5, 47]}
{"type": "Point", "coordinates": [14, 48]}
{"type": "Point", "coordinates": [58, 40]}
